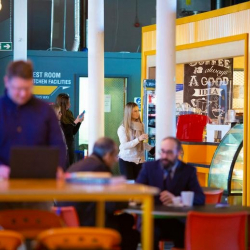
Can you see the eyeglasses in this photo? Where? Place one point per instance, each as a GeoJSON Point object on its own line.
{"type": "Point", "coordinates": [167, 152]}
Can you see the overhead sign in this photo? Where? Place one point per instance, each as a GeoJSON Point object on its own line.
{"type": "Point", "coordinates": [5, 46]}
{"type": "Point", "coordinates": [149, 83]}
{"type": "Point", "coordinates": [48, 84]}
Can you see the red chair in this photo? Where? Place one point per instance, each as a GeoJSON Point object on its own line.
{"type": "Point", "coordinates": [68, 215]}
{"type": "Point", "coordinates": [213, 196]}
{"type": "Point", "coordinates": [205, 231]}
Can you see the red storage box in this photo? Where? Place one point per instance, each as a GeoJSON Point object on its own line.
{"type": "Point", "coordinates": [190, 127]}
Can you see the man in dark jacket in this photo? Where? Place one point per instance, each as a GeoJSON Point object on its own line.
{"type": "Point", "coordinates": [102, 160]}
{"type": "Point", "coordinates": [171, 176]}
{"type": "Point", "coordinates": [24, 119]}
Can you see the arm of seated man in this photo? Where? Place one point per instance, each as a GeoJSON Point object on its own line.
{"type": "Point", "coordinates": [166, 197]}
{"type": "Point", "coordinates": [4, 171]}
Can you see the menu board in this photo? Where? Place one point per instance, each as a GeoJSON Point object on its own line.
{"type": "Point", "coordinates": [208, 86]}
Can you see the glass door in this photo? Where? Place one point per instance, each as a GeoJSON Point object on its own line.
{"type": "Point", "coordinates": [115, 98]}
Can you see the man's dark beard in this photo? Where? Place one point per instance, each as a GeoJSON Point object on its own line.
{"type": "Point", "coordinates": [167, 164]}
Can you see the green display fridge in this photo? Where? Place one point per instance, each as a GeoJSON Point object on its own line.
{"type": "Point", "coordinates": [226, 169]}
{"type": "Point", "coordinates": [149, 113]}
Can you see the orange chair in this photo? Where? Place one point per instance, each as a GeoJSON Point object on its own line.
{"type": "Point", "coordinates": [10, 240]}
{"type": "Point", "coordinates": [68, 215]}
{"type": "Point", "coordinates": [29, 222]}
{"type": "Point", "coordinates": [79, 238]}
{"type": "Point", "coordinates": [216, 231]}
{"type": "Point", "coordinates": [213, 196]}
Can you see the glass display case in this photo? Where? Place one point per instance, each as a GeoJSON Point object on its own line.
{"type": "Point", "coordinates": [226, 170]}
{"type": "Point", "coordinates": [149, 113]}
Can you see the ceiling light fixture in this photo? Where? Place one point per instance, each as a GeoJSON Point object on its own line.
{"type": "Point", "coordinates": [0, 4]}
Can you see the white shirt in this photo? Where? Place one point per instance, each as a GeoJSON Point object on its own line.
{"type": "Point", "coordinates": [128, 150]}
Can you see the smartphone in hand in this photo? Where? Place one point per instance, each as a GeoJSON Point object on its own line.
{"type": "Point", "coordinates": [82, 114]}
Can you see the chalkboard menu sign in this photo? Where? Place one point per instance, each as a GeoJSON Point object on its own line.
{"type": "Point", "coordinates": [208, 86]}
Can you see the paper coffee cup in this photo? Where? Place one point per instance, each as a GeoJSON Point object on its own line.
{"type": "Point", "coordinates": [187, 198]}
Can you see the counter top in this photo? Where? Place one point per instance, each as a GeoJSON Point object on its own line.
{"type": "Point", "coordinates": [200, 164]}
{"type": "Point", "coordinates": [199, 143]}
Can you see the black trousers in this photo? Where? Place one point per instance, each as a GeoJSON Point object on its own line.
{"type": "Point", "coordinates": [71, 153]}
{"type": "Point", "coordinates": [124, 223]}
{"type": "Point", "coordinates": [172, 229]}
{"type": "Point", "coordinates": [129, 169]}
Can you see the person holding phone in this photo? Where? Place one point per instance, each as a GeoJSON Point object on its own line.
{"type": "Point", "coordinates": [70, 125]}
{"type": "Point", "coordinates": [133, 142]}
{"type": "Point", "coordinates": [82, 114]}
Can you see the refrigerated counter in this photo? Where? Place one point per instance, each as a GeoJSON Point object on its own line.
{"type": "Point", "coordinates": [226, 170]}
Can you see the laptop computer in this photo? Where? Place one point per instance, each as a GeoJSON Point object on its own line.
{"type": "Point", "coordinates": [34, 162]}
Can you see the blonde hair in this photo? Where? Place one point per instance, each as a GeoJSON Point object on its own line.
{"type": "Point", "coordinates": [127, 118]}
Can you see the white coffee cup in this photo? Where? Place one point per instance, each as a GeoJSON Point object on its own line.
{"type": "Point", "coordinates": [187, 198]}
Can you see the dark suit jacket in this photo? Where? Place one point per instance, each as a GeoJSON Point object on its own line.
{"type": "Point", "coordinates": [86, 210]}
{"type": "Point", "coordinates": [184, 179]}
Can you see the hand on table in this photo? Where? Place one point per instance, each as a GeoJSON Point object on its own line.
{"type": "Point", "coordinates": [4, 172]}
{"type": "Point", "coordinates": [59, 173]}
{"type": "Point", "coordinates": [166, 198]}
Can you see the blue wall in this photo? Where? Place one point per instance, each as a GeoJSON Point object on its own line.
{"type": "Point", "coordinates": [5, 31]}
{"type": "Point", "coordinates": [71, 65]}
{"type": "Point", "coordinates": [5, 58]}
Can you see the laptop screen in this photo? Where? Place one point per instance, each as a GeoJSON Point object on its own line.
{"type": "Point", "coordinates": [34, 162]}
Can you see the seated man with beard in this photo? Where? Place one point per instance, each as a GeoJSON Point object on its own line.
{"type": "Point", "coordinates": [171, 176]}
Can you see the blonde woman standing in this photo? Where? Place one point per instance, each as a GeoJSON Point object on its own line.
{"type": "Point", "coordinates": [132, 148]}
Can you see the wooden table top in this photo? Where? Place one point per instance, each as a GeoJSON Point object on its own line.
{"type": "Point", "coordinates": [41, 190]}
